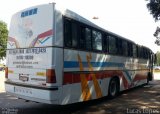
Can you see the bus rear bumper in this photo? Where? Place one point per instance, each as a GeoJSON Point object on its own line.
{"type": "Point", "coordinates": [33, 94]}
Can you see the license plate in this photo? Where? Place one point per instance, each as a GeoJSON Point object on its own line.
{"type": "Point", "coordinates": [23, 78]}
{"type": "Point", "coordinates": [22, 90]}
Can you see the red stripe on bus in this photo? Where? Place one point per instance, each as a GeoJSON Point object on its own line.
{"type": "Point", "coordinates": [74, 77]}
{"type": "Point", "coordinates": [47, 33]}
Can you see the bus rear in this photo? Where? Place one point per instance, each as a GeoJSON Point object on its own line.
{"type": "Point", "coordinates": [30, 72]}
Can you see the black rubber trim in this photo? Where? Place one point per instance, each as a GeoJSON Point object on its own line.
{"type": "Point", "coordinates": [31, 86]}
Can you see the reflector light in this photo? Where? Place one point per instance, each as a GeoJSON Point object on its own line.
{"type": "Point", "coordinates": [51, 77]}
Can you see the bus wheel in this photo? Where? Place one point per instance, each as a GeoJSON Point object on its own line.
{"type": "Point", "coordinates": [113, 88]}
{"type": "Point", "coordinates": [149, 78]}
{"type": "Point", "coordinates": [147, 81]}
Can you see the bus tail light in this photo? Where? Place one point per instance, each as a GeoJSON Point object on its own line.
{"type": "Point", "coordinates": [51, 76]}
{"type": "Point", "coordinates": [6, 72]}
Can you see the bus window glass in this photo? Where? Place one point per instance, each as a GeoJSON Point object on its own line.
{"type": "Point", "coordinates": [130, 49]}
{"type": "Point", "coordinates": [96, 40]}
{"type": "Point", "coordinates": [67, 33]}
{"type": "Point", "coordinates": [82, 42]}
{"type": "Point", "coordinates": [125, 48]}
{"type": "Point", "coordinates": [88, 38]}
{"type": "Point", "coordinates": [74, 34]}
{"type": "Point", "coordinates": [141, 52]}
{"type": "Point", "coordinates": [119, 45]}
{"type": "Point", "coordinates": [148, 54]}
{"type": "Point", "coordinates": [112, 45]}
{"type": "Point", "coordinates": [134, 50]}
{"type": "Point", "coordinates": [105, 43]}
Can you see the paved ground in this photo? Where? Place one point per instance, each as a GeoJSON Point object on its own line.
{"type": "Point", "coordinates": [2, 78]}
{"type": "Point", "coordinates": [140, 100]}
{"type": "Point", "coordinates": [157, 76]}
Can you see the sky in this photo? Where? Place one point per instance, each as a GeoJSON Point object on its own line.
{"type": "Point", "coordinates": [128, 18]}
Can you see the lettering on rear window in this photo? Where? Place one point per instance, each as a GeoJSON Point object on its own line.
{"type": "Point", "coordinates": [29, 12]}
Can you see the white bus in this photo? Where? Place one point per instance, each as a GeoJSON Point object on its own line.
{"type": "Point", "coordinates": [58, 57]}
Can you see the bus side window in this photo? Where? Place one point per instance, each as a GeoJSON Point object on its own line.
{"type": "Point", "coordinates": [125, 48]}
{"type": "Point", "coordinates": [70, 33]}
{"type": "Point", "coordinates": [112, 45]}
{"type": "Point", "coordinates": [138, 52]}
{"type": "Point", "coordinates": [74, 34]}
{"type": "Point", "coordinates": [141, 52]}
{"type": "Point", "coordinates": [67, 33]}
{"type": "Point", "coordinates": [119, 45]}
{"type": "Point", "coordinates": [88, 38]}
{"type": "Point", "coordinates": [85, 41]}
{"type": "Point", "coordinates": [134, 50]}
{"type": "Point", "coordinates": [130, 49]}
{"type": "Point", "coordinates": [96, 40]}
{"type": "Point", "coordinates": [148, 53]}
{"type": "Point", "coordinates": [144, 53]}
{"type": "Point", "coordinates": [82, 42]}
{"type": "Point", "coordinates": [105, 43]}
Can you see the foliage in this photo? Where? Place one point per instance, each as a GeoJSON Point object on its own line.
{"type": "Point", "coordinates": [157, 35]}
{"type": "Point", "coordinates": [154, 8]}
{"type": "Point", "coordinates": [3, 39]}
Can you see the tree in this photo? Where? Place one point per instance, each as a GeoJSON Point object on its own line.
{"type": "Point", "coordinates": [3, 39]}
{"type": "Point", "coordinates": [154, 8]}
{"type": "Point", "coordinates": [157, 35]}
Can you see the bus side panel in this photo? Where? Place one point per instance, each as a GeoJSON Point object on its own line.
{"type": "Point", "coordinates": [59, 65]}
{"type": "Point", "coordinates": [141, 72]}
{"type": "Point", "coordinates": [78, 76]}
{"type": "Point", "coordinates": [81, 67]}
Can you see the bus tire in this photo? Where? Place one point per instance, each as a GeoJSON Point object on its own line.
{"type": "Point", "coordinates": [113, 88]}
{"type": "Point", "coordinates": [149, 78]}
